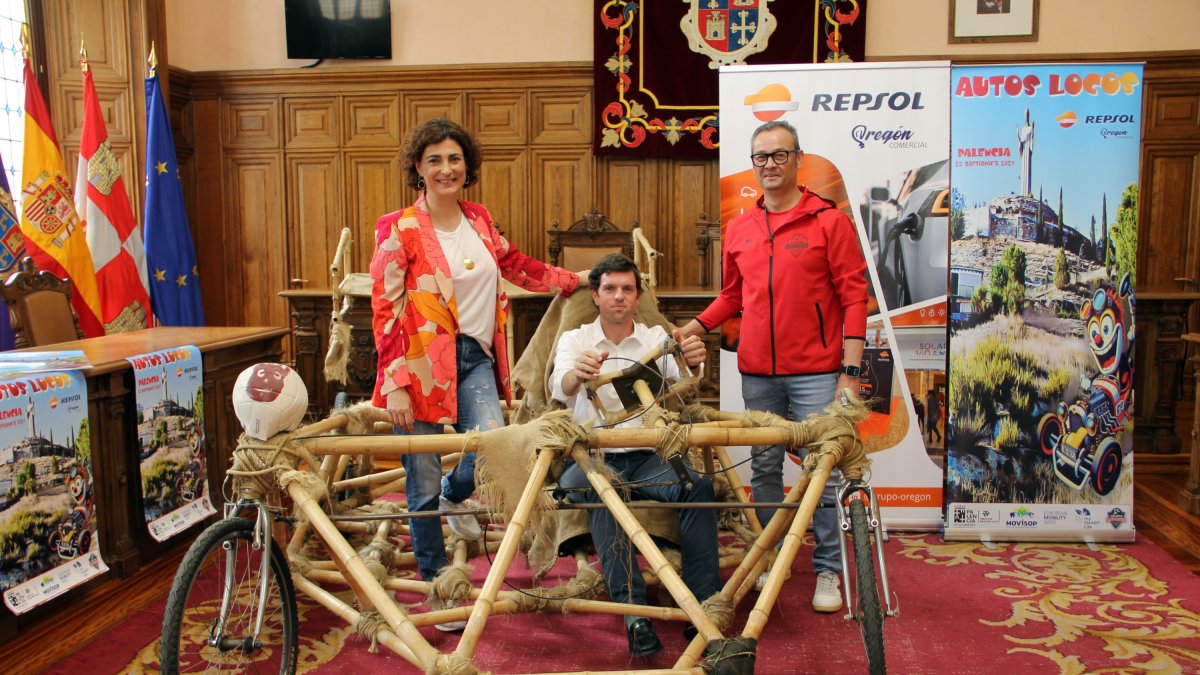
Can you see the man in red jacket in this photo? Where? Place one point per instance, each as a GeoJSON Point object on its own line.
{"type": "Point", "coordinates": [794, 268]}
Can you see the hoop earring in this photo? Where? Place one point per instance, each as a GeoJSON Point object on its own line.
{"type": "Point", "coordinates": [421, 183]}
{"type": "Point", "coordinates": [467, 182]}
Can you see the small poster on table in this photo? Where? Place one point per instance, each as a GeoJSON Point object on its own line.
{"type": "Point", "coordinates": [169, 390]}
{"type": "Point", "coordinates": [48, 541]}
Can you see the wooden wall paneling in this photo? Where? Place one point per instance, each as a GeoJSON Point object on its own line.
{"type": "Point", "coordinates": [256, 256]}
{"type": "Point", "coordinates": [1169, 211]}
{"type": "Point", "coordinates": [504, 190]}
{"type": "Point", "coordinates": [103, 25]}
{"type": "Point", "coordinates": [561, 190]}
{"type": "Point", "coordinates": [312, 122]}
{"type": "Point", "coordinates": [498, 117]}
{"type": "Point", "coordinates": [116, 107]}
{"type": "Point", "coordinates": [250, 123]}
{"type": "Point", "coordinates": [315, 216]}
{"type": "Point", "coordinates": [372, 120]}
{"type": "Point", "coordinates": [421, 106]}
{"type": "Point", "coordinates": [206, 213]}
{"type": "Point", "coordinates": [106, 30]}
{"type": "Point", "coordinates": [627, 191]}
{"type": "Point", "coordinates": [374, 187]}
{"type": "Point", "coordinates": [695, 189]}
{"type": "Point", "coordinates": [561, 116]}
{"type": "Point", "coordinates": [1172, 110]}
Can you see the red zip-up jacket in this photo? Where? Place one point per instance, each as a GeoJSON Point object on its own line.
{"type": "Point", "coordinates": [801, 289]}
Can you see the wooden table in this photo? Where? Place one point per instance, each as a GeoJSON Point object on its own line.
{"type": "Point", "coordinates": [1162, 319]}
{"type": "Point", "coordinates": [124, 540]}
{"type": "Point", "coordinates": [1189, 497]}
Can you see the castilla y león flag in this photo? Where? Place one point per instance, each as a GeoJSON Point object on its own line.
{"type": "Point", "coordinates": [53, 234]}
{"type": "Point", "coordinates": [113, 235]}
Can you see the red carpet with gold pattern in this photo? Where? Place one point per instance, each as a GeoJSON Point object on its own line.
{"type": "Point", "coordinates": [964, 608]}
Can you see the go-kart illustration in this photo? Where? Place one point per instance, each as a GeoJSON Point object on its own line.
{"type": "Point", "coordinates": [190, 483]}
{"type": "Point", "coordinates": [73, 537]}
{"type": "Point", "coordinates": [1083, 438]}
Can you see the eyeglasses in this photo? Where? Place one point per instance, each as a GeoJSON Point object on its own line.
{"type": "Point", "coordinates": [780, 157]}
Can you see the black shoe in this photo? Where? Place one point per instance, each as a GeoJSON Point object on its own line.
{"type": "Point", "coordinates": [690, 632]}
{"type": "Point", "coordinates": [642, 639]}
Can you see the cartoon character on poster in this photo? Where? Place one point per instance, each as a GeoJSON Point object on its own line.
{"type": "Point", "coordinates": [1084, 438]}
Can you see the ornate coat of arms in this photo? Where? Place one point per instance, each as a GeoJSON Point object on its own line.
{"type": "Point", "coordinates": [727, 31]}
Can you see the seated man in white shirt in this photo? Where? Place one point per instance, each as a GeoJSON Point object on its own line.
{"type": "Point", "coordinates": [612, 342]}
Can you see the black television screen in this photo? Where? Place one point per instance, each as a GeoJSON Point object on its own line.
{"type": "Point", "coordinates": [338, 29]}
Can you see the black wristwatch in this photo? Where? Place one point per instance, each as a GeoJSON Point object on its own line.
{"type": "Point", "coordinates": [852, 371]}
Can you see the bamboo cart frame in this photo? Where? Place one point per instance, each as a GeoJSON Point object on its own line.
{"type": "Point", "coordinates": [309, 465]}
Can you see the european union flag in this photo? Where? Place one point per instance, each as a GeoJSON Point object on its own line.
{"type": "Point", "coordinates": [170, 253]}
{"type": "Point", "coordinates": [12, 247]}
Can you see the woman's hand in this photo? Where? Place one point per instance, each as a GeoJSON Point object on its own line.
{"type": "Point", "coordinates": [583, 278]}
{"type": "Point", "coordinates": [399, 409]}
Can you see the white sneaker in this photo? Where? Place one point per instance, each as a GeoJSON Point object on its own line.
{"type": "Point", "coordinates": [465, 525]}
{"type": "Point", "coordinates": [450, 626]}
{"type": "Point", "coordinates": [828, 596]}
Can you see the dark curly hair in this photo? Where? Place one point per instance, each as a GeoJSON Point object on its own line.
{"type": "Point", "coordinates": [435, 131]}
{"type": "Point", "coordinates": [613, 262]}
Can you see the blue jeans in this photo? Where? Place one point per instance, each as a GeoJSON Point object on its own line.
{"type": "Point", "coordinates": [697, 527]}
{"type": "Point", "coordinates": [478, 408]}
{"type": "Point", "coordinates": [803, 395]}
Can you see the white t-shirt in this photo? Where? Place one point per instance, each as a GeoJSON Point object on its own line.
{"type": "Point", "coordinates": [591, 336]}
{"type": "Point", "coordinates": [475, 288]}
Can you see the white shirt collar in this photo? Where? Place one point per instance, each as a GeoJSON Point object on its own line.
{"type": "Point", "coordinates": [594, 334]}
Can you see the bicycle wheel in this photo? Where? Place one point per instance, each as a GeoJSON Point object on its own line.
{"type": "Point", "coordinates": [868, 613]}
{"type": "Point", "coordinates": [195, 636]}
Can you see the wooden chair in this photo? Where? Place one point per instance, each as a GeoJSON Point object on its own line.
{"type": "Point", "coordinates": [39, 305]}
{"type": "Point", "coordinates": [587, 240]}
{"type": "Point", "coordinates": [708, 243]}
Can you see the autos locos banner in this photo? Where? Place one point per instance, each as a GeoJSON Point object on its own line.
{"type": "Point", "coordinates": [48, 542]}
{"type": "Point", "coordinates": [876, 142]}
{"type": "Point", "coordinates": [170, 424]}
{"type": "Point", "coordinates": [1044, 235]}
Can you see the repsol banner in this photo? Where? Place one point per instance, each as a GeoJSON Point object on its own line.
{"type": "Point", "coordinates": [48, 542]}
{"type": "Point", "coordinates": [875, 140]}
{"type": "Point", "coordinates": [1044, 244]}
{"type": "Point", "coordinates": [169, 390]}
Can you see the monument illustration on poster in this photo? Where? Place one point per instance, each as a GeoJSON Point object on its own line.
{"type": "Point", "coordinates": [1044, 228]}
{"type": "Point", "coordinates": [48, 542]}
{"type": "Point", "coordinates": [876, 142]}
{"type": "Point", "coordinates": [169, 390]}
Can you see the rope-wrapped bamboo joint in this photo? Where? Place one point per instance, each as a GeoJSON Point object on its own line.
{"type": "Point", "coordinates": [513, 463]}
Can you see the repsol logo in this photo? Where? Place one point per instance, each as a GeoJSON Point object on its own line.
{"type": "Point", "coordinates": [898, 100]}
{"type": "Point", "coordinates": [1108, 119]}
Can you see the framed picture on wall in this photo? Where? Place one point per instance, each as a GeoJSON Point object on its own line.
{"type": "Point", "coordinates": [993, 21]}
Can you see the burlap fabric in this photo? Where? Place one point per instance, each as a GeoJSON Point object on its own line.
{"type": "Point", "coordinates": [531, 374]}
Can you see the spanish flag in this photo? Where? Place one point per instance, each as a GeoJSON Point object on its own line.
{"type": "Point", "coordinates": [54, 236]}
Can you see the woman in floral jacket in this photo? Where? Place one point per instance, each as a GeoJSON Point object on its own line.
{"type": "Point", "coordinates": [438, 316]}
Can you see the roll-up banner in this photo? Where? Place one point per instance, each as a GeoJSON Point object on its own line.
{"type": "Point", "coordinates": [1044, 234]}
{"type": "Point", "coordinates": [48, 520]}
{"type": "Point", "coordinates": [170, 425]}
{"type": "Point", "coordinates": [876, 141]}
